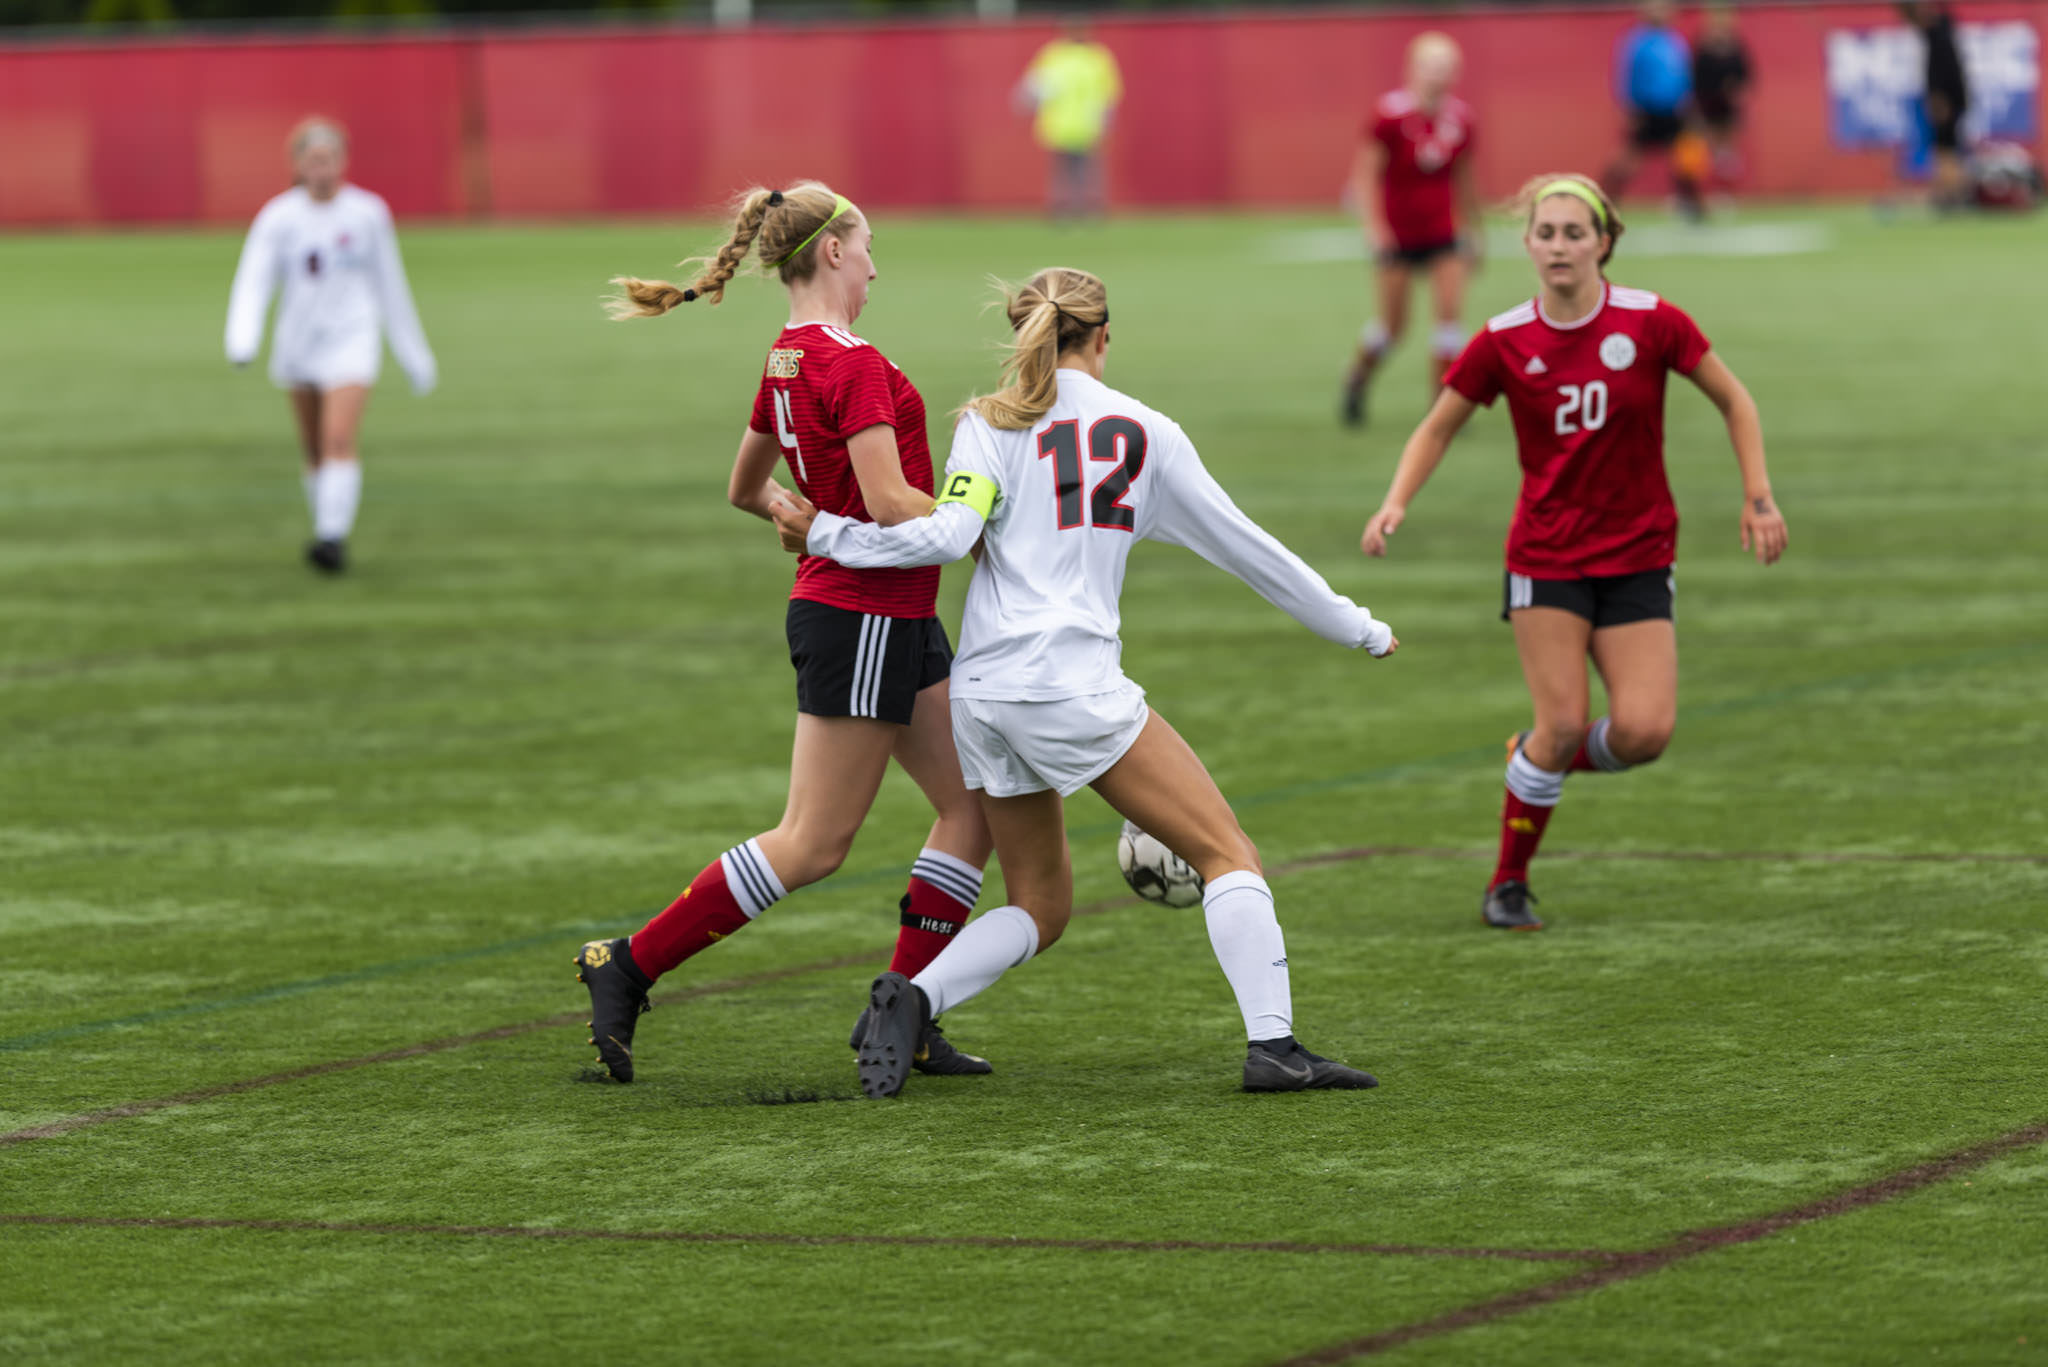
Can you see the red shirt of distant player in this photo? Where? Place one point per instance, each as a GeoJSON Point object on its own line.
{"type": "Point", "coordinates": [1423, 149]}
{"type": "Point", "coordinates": [1587, 399]}
{"type": "Point", "coordinates": [821, 385]}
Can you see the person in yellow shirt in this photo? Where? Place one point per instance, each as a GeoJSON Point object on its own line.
{"type": "Point", "coordinates": [1071, 88]}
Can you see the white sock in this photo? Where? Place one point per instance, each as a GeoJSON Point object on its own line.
{"type": "Point", "coordinates": [1537, 787]}
{"type": "Point", "coordinates": [984, 948]}
{"type": "Point", "coordinates": [309, 481]}
{"type": "Point", "coordinates": [1597, 749]}
{"type": "Point", "coordinates": [1246, 937]}
{"type": "Point", "coordinates": [337, 488]}
{"type": "Point", "coordinates": [1373, 337]}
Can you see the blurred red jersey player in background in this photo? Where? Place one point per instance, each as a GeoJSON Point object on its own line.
{"type": "Point", "coordinates": [1420, 209]}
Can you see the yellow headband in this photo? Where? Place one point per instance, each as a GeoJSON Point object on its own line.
{"type": "Point", "coordinates": [840, 204]}
{"type": "Point", "coordinates": [1579, 192]}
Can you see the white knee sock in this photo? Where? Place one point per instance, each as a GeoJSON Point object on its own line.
{"type": "Point", "coordinates": [984, 948]}
{"type": "Point", "coordinates": [1246, 936]}
{"type": "Point", "coordinates": [337, 488]}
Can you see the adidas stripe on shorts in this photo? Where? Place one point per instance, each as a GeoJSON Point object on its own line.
{"type": "Point", "coordinates": [858, 664]}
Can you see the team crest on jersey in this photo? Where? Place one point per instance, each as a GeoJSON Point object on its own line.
{"type": "Point", "coordinates": [783, 362]}
{"type": "Point", "coordinates": [1617, 351]}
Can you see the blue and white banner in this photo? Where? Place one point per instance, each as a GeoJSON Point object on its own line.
{"type": "Point", "coordinates": [1876, 78]}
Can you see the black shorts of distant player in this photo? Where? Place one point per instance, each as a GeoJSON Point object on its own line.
{"type": "Point", "coordinates": [1418, 257]}
{"type": "Point", "coordinates": [1650, 130]}
{"type": "Point", "coordinates": [1946, 130]}
{"type": "Point", "coordinates": [858, 664]}
{"type": "Point", "coordinates": [1606, 600]}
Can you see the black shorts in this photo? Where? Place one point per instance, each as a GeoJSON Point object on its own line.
{"type": "Point", "coordinates": [1946, 132]}
{"type": "Point", "coordinates": [855, 664]}
{"type": "Point", "coordinates": [1654, 130]}
{"type": "Point", "coordinates": [1417, 256]}
{"type": "Point", "coordinates": [1609, 601]}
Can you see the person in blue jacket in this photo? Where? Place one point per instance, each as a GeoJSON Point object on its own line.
{"type": "Point", "coordinates": [1653, 83]}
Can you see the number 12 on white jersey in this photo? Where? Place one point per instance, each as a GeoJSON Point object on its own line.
{"type": "Point", "coordinates": [785, 431]}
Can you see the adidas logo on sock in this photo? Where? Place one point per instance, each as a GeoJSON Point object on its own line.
{"type": "Point", "coordinates": [1535, 366]}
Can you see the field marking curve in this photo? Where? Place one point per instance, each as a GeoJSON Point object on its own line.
{"type": "Point", "coordinates": [1690, 1244]}
{"type": "Point", "coordinates": [691, 1236]}
{"type": "Point", "coordinates": [850, 881]}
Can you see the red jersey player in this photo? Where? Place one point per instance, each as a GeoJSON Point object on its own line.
{"type": "Point", "coordinates": [871, 657]}
{"type": "Point", "coordinates": [1413, 181]}
{"type": "Point", "coordinates": [1590, 550]}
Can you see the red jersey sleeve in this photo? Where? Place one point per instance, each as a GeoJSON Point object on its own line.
{"type": "Point", "coordinates": [1476, 372]}
{"type": "Point", "coordinates": [763, 420]}
{"type": "Point", "coordinates": [858, 395]}
{"type": "Point", "coordinates": [1685, 346]}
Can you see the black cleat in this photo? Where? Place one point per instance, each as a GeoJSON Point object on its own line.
{"type": "Point", "coordinates": [1284, 1066]}
{"type": "Point", "coordinates": [617, 1001]}
{"type": "Point", "coordinates": [898, 1016]}
{"type": "Point", "coordinates": [936, 1056]}
{"type": "Point", "coordinates": [1351, 410]}
{"type": "Point", "coordinates": [1507, 907]}
{"type": "Point", "coordinates": [328, 557]}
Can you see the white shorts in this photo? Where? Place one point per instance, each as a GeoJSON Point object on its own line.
{"type": "Point", "coordinates": [1011, 748]}
{"type": "Point", "coordinates": [330, 362]}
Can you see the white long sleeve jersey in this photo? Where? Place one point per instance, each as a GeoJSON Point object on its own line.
{"type": "Point", "coordinates": [1075, 492]}
{"type": "Point", "coordinates": [341, 274]}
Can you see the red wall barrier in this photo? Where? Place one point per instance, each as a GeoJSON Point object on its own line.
{"type": "Point", "coordinates": [1243, 110]}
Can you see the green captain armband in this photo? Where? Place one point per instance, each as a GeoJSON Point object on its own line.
{"type": "Point", "coordinates": [978, 492]}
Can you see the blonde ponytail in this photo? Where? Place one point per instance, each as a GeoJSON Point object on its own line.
{"type": "Point", "coordinates": [779, 221]}
{"type": "Point", "coordinates": [1052, 313]}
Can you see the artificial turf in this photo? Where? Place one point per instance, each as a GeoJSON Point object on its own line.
{"type": "Point", "coordinates": [253, 823]}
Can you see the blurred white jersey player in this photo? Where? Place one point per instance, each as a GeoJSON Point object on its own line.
{"type": "Point", "coordinates": [330, 249]}
{"type": "Point", "coordinates": [1056, 477]}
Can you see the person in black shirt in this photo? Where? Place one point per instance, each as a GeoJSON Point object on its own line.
{"type": "Point", "coordinates": [1720, 86]}
{"type": "Point", "coordinates": [1948, 98]}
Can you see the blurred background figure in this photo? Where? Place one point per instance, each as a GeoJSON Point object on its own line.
{"type": "Point", "coordinates": [1419, 206]}
{"type": "Point", "coordinates": [1072, 87]}
{"type": "Point", "coordinates": [1653, 82]}
{"type": "Point", "coordinates": [1946, 100]}
{"type": "Point", "coordinates": [333, 248]}
{"type": "Point", "coordinates": [1720, 88]}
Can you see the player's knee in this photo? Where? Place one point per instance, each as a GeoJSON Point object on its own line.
{"type": "Point", "coordinates": [1553, 741]}
{"type": "Point", "coordinates": [1638, 740]}
{"type": "Point", "coordinates": [812, 852]}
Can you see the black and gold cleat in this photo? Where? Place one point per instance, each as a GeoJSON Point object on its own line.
{"type": "Point", "coordinates": [1506, 907]}
{"type": "Point", "coordinates": [936, 1055]}
{"type": "Point", "coordinates": [618, 998]}
{"type": "Point", "coordinates": [328, 557]}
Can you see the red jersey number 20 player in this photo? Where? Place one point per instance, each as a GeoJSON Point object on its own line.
{"type": "Point", "coordinates": [1420, 205]}
{"type": "Point", "coordinates": [1590, 551]}
{"type": "Point", "coordinates": [871, 657]}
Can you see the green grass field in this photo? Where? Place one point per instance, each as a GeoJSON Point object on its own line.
{"type": "Point", "coordinates": [291, 870]}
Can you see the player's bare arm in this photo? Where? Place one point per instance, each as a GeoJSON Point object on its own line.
{"type": "Point", "coordinates": [1763, 526]}
{"type": "Point", "coordinates": [1367, 171]}
{"type": "Point", "coordinates": [889, 497]}
{"type": "Point", "coordinates": [753, 485]}
{"type": "Point", "coordinates": [1419, 459]}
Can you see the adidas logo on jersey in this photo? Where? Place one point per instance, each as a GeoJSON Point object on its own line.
{"type": "Point", "coordinates": [1535, 366]}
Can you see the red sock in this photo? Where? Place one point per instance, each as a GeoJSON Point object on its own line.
{"type": "Point", "coordinates": [931, 918]}
{"type": "Point", "coordinates": [1521, 831]}
{"type": "Point", "coordinates": [706, 912]}
{"type": "Point", "coordinates": [1582, 762]}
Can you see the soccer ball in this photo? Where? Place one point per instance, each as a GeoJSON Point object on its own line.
{"type": "Point", "coordinates": [1154, 872]}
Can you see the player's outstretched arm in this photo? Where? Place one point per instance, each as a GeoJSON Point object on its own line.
{"type": "Point", "coordinates": [1419, 459]}
{"type": "Point", "coordinates": [1763, 526]}
{"type": "Point", "coordinates": [1194, 511]}
{"type": "Point", "coordinates": [946, 533]}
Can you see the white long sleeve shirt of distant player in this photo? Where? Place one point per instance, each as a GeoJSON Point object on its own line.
{"type": "Point", "coordinates": [338, 265]}
{"type": "Point", "coordinates": [1077, 489]}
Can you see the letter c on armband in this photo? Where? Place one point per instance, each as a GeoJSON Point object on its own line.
{"type": "Point", "coordinates": [977, 491]}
